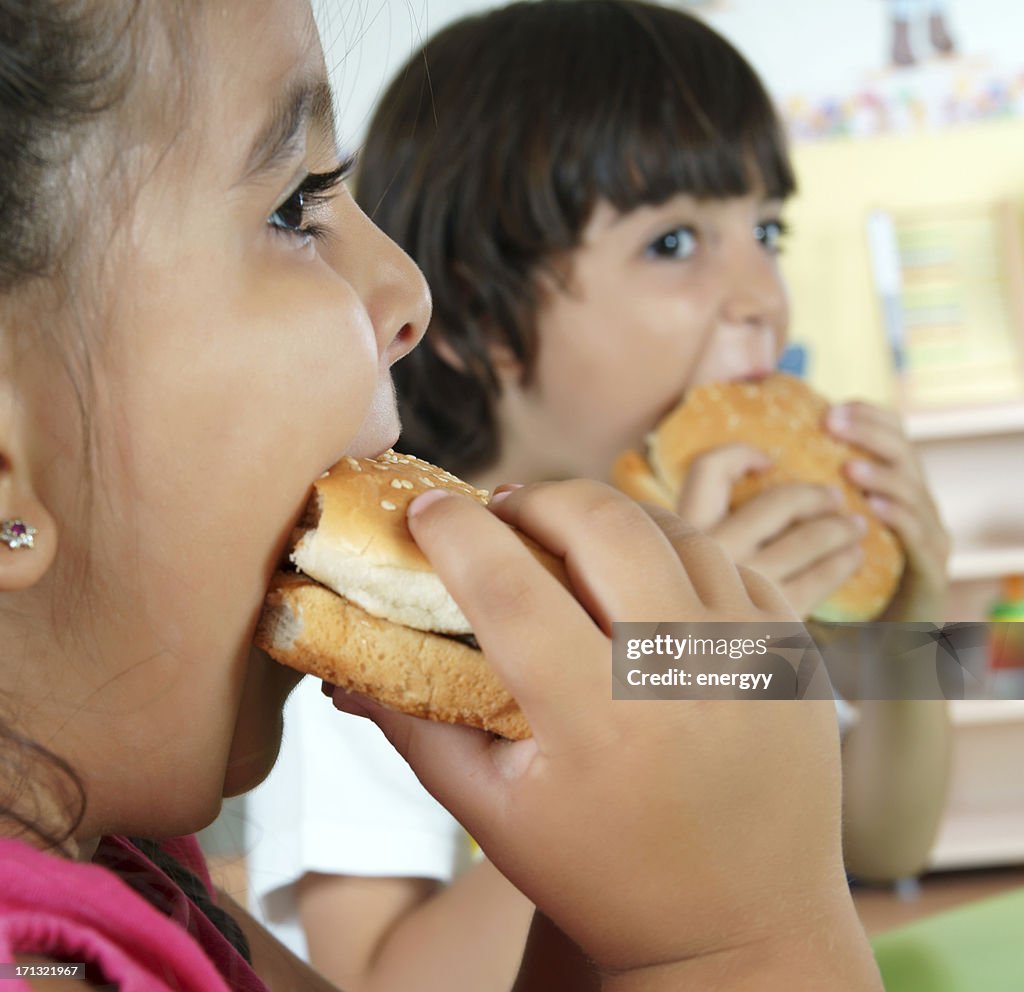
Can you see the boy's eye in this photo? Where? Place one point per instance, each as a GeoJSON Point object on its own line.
{"type": "Point", "coordinates": [770, 234]}
{"type": "Point", "coordinates": [681, 242]}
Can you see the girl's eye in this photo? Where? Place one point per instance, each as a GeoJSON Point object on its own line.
{"type": "Point", "coordinates": [681, 243]}
{"type": "Point", "coordinates": [290, 218]}
{"type": "Point", "coordinates": [771, 234]}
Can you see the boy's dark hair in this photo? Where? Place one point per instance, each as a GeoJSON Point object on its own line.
{"type": "Point", "coordinates": [492, 146]}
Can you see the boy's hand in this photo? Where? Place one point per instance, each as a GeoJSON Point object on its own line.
{"type": "Point", "coordinates": [793, 534]}
{"type": "Point", "coordinates": [650, 832]}
{"type": "Point", "coordinates": [898, 493]}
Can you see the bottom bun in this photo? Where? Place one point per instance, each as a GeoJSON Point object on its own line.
{"type": "Point", "coordinates": [309, 628]}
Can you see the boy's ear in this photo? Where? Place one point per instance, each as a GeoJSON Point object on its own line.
{"type": "Point", "coordinates": [506, 365]}
{"type": "Point", "coordinates": [28, 532]}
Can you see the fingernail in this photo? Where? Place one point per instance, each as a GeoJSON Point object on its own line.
{"type": "Point", "coordinates": [861, 470]}
{"type": "Point", "coordinates": [421, 502]}
{"type": "Point", "coordinates": [839, 418]}
{"type": "Point", "coordinates": [346, 703]}
{"type": "Point", "coordinates": [860, 522]}
{"type": "Point", "coordinates": [504, 491]}
{"type": "Point", "coordinates": [837, 495]}
{"type": "Point", "coordinates": [880, 505]}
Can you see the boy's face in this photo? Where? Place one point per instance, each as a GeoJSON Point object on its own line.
{"type": "Point", "coordinates": [657, 300]}
{"type": "Point", "coordinates": [241, 357]}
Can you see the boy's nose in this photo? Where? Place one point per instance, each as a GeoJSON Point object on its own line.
{"type": "Point", "coordinates": [750, 327]}
{"type": "Point", "coordinates": [755, 295]}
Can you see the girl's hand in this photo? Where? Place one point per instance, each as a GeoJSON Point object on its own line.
{"type": "Point", "coordinates": [898, 493]}
{"type": "Point", "coordinates": [793, 534]}
{"type": "Point", "coordinates": [650, 832]}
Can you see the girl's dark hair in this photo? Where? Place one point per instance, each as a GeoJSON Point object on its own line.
{"type": "Point", "coordinates": [60, 67]}
{"type": "Point", "coordinates": [150, 887]}
{"type": "Point", "coordinates": [66, 67]}
{"type": "Point", "coordinates": [491, 148]}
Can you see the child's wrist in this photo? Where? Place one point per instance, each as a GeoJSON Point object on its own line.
{"type": "Point", "coordinates": [830, 952]}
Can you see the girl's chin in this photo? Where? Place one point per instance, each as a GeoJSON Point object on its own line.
{"type": "Point", "coordinates": [259, 725]}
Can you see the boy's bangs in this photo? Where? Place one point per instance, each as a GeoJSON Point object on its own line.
{"type": "Point", "coordinates": [666, 157]}
{"type": "Point", "coordinates": [661, 105]}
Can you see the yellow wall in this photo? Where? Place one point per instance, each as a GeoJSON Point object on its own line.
{"type": "Point", "coordinates": [827, 263]}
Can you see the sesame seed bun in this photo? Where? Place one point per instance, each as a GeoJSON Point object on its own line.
{"type": "Point", "coordinates": [783, 417]}
{"type": "Point", "coordinates": [364, 610]}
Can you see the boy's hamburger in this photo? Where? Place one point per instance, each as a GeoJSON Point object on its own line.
{"type": "Point", "coordinates": [365, 610]}
{"type": "Point", "coordinates": [783, 417]}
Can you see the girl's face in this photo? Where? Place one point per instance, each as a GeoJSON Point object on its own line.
{"type": "Point", "coordinates": [656, 301]}
{"type": "Point", "coordinates": [245, 352]}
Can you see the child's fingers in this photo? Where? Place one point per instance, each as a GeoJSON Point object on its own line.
{"type": "Point", "coordinates": [704, 499]}
{"type": "Point", "coordinates": [621, 564]}
{"type": "Point", "coordinates": [770, 514]}
{"type": "Point", "coordinates": [873, 428]}
{"type": "Point", "coordinates": [712, 572]}
{"type": "Point", "coordinates": [520, 614]}
{"type": "Point", "coordinates": [460, 766]}
{"type": "Point", "coordinates": [813, 585]}
{"type": "Point", "coordinates": [765, 594]}
{"type": "Point", "coordinates": [892, 483]}
{"type": "Point", "coordinates": [924, 538]}
{"type": "Point", "coordinates": [806, 543]}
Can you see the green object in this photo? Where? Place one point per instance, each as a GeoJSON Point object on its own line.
{"type": "Point", "coordinates": [1006, 612]}
{"type": "Point", "coordinates": [974, 948]}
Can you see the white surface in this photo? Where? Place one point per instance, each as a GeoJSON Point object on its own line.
{"type": "Point", "coordinates": [965, 422]}
{"type": "Point", "coordinates": [984, 820]}
{"type": "Point", "coordinates": [365, 43]}
{"type": "Point", "coordinates": [977, 482]}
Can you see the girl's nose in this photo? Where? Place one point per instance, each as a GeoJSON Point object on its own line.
{"type": "Point", "coordinates": [395, 293]}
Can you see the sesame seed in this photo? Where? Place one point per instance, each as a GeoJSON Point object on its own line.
{"type": "Point", "coordinates": [386, 504]}
{"type": "Point", "coordinates": [396, 483]}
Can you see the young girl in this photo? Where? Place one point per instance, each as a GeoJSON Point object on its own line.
{"type": "Point", "coordinates": [195, 322]}
{"type": "Point", "coordinates": [593, 190]}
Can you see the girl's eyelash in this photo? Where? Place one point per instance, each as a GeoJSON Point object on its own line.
{"type": "Point", "coordinates": [317, 188]}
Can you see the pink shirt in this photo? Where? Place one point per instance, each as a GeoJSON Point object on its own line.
{"type": "Point", "coordinates": [70, 911]}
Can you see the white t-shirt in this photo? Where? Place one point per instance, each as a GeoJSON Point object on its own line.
{"type": "Point", "coordinates": [340, 801]}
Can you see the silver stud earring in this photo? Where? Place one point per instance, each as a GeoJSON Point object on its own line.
{"type": "Point", "coordinates": [17, 534]}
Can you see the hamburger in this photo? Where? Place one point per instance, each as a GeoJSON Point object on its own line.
{"type": "Point", "coordinates": [785, 418]}
{"type": "Point", "coordinates": [361, 607]}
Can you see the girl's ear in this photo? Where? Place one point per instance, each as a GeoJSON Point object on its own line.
{"type": "Point", "coordinates": [28, 533]}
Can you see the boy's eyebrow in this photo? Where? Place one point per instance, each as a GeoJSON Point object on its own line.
{"type": "Point", "coordinates": [306, 99]}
